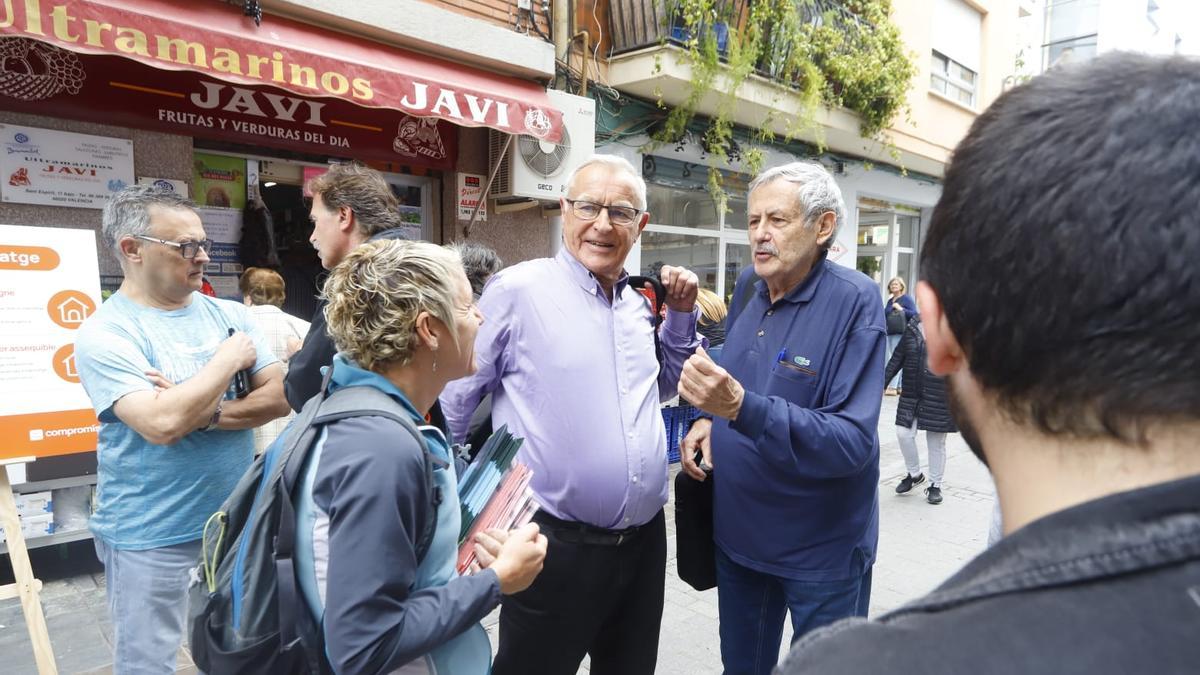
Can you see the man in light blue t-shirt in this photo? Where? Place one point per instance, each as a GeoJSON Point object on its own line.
{"type": "Point", "coordinates": [159, 361]}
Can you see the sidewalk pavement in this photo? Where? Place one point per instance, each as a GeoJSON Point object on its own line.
{"type": "Point", "coordinates": [919, 546]}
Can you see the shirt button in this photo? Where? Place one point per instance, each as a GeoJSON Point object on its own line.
{"type": "Point", "coordinates": [630, 434]}
{"type": "Point", "coordinates": [627, 520]}
{"type": "Point", "coordinates": [761, 333]}
{"type": "Point", "coordinates": [635, 479]}
{"type": "Point", "coordinates": [770, 312]}
{"type": "Point", "coordinates": [624, 390]}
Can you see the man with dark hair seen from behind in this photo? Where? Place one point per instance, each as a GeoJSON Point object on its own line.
{"type": "Point", "coordinates": [1062, 296]}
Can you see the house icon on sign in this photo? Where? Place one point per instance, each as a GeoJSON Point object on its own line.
{"type": "Point", "coordinates": [72, 311]}
{"type": "Point", "coordinates": [68, 365]}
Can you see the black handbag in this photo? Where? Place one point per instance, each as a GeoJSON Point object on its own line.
{"type": "Point", "coordinates": [696, 554]}
{"type": "Point", "coordinates": [896, 322]}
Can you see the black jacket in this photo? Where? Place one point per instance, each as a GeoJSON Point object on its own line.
{"type": "Point", "coordinates": [304, 368]}
{"type": "Point", "coordinates": [924, 394]}
{"type": "Point", "coordinates": [1108, 587]}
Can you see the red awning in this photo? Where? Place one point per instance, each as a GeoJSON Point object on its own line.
{"type": "Point", "coordinates": [217, 40]}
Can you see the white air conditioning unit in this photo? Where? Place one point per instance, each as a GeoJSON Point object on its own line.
{"type": "Point", "coordinates": [536, 169]}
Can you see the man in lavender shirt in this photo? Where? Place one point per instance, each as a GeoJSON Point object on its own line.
{"type": "Point", "coordinates": [567, 350]}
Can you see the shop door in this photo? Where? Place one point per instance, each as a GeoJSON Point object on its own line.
{"type": "Point", "coordinates": [874, 233]}
{"type": "Point", "coordinates": [887, 243]}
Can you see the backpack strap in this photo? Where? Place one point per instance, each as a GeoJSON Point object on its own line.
{"type": "Point", "coordinates": [323, 409]}
{"type": "Point", "coordinates": [638, 283]}
{"type": "Point", "coordinates": [368, 401]}
{"type": "Point", "coordinates": [293, 623]}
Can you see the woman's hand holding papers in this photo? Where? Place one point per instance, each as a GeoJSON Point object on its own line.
{"type": "Point", "coordinates": [515, 555]}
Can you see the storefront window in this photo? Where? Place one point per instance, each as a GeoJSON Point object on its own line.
{"type": "Point", "coordinates": [687, 229]}
{"type": "Point", "coordinates": [872, 266]}
{"type": "Point", "coordinates": [737, 258]}
{"type": "Point", "coordinates": [904, 269]}
{"type": "Point", "coordinates": [908, 230]}
{"type": "Point", "coordinates": [681, 207]}
{"type": "Point", "coordinates": [887, 241]}
{"type": "Point", "coordinates": [735, 217]}
{"type": "Point", "coordinates": [872, 233]}
{"type": "Point", "coordinates": [696, 253]}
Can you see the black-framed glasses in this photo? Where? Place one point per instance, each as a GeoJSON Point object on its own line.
{"type": "Point", "coordinates": [188, 249]}
{"type": "Point", "coordinates": [617, 215]}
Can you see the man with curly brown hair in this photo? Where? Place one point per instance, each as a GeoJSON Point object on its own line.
{"type": "Point", "coordinates": [351, 204]}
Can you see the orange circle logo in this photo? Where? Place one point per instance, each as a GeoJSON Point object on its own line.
{"type": "Point", "coordinates": [64, 364]}
{"type": "Point", "coordinates": [69, 308]}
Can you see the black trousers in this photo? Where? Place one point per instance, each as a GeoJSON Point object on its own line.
{"type": "Point", "coordinates": [600, 593]}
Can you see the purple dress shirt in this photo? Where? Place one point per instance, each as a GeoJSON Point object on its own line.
{"type": "Point", "coordinates": [577, 378]}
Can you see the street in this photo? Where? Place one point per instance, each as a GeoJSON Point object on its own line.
{"type": "Point", "coordinates": [919, 546]}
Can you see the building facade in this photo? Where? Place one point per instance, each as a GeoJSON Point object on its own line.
{"type": "Point", "coordinates": [963, 51]}
{"type": "Point", "coordinates": [240, 112]}
{"type": "Point", "coordinates": [237, 109]}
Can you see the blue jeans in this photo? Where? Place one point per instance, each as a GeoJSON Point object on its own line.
{"type": "Point", "coordinates": [147, 604]}
{"type": "Point", "coordinates": [893, 341]}
{"type": "Point", "coordinates": [752, 606]}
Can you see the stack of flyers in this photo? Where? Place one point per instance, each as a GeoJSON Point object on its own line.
{"type": "Point", "coordinates": [494, 492]}
{"type": "Point", "coordinates": [512, 505]}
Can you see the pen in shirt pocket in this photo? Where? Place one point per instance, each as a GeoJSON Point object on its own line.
{"type": "Point", "coordinates": [782, 358]}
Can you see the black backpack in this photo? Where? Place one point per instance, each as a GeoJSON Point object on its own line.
{"type": "Point", "coordinates": [248, 615]}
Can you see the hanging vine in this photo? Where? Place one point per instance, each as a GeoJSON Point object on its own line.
{"type": "Point", "coordinates": [834, 53]}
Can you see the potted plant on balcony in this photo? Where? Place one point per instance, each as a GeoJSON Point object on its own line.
{"type": "Point", "coordinates": [836, 53]}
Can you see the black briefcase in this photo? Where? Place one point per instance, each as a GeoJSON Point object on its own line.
{"type": "Point", "coordinates": [694, 547]}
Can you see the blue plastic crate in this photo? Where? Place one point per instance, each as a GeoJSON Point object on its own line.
{"type": "Point", "coordinates": [677, 420]}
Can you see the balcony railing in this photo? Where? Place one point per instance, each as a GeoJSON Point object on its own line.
{"type": "Point", "coordinates": [637, 24]}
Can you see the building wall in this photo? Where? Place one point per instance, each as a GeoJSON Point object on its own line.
{"type": "Point", "coordinates": [938, 124]}
{"type": "Point", "coordinates": [515, 236]}
{"type": "Point", "coordinates": [476, 32]}
{"type": "Point", "coordinates": [155, 155]}
{"type": "Point", "coordinates": [501, 13]}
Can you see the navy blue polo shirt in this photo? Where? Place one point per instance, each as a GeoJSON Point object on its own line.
{"type": "Point", "coordinates": [797, 472]}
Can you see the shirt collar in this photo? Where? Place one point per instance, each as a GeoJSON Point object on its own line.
{"type": "Point", "coordinates": [584, 277]}
{"type": "Point", "coordinates": [803, 291]}
{"type": "Point", "coordinates": [347, 373]}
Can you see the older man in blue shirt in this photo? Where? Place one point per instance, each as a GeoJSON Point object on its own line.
{"type": "Point", "coordinates": [567, 350]}
{"type": "Point", "coordinates": [792, 441]}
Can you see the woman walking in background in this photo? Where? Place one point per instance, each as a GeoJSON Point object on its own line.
{"type": "Point", "coordinates": [899, 309]}
{"type": "Point", "coordinates": [923, 406]}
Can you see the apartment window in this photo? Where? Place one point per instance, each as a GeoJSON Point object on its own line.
{"type": "Point", "coordinates": [952, 79]}
{"type": "Point", "coordinates": [957, 35]}
{"type": "Point", "coordinates": [1072, 27]}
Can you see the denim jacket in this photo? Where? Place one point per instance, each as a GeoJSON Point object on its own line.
{"type": "Point", "coordinates": [1109, 586]}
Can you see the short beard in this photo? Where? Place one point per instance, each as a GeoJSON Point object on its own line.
{"type": "Point", "coordinates": [966, 426]}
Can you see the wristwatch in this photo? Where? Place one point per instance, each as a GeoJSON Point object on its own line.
{"type": "Point", "coordinates": [216, 417]}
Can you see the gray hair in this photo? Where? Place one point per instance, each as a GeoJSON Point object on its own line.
{"type": "Point", "coordinates": [616, 163]}
{"type": "Point", "coordinates": [818, 192]}
{"type": "Point", "coordinates": [479, 261]}
{"type": "Point", "coordinates": [127, 213]}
